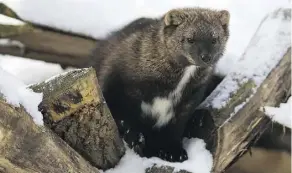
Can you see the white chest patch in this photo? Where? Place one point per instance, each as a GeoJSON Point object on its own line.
{"type": "Point", "coordinates": [161, 108]}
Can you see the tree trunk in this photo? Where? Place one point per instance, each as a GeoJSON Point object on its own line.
{"type": "Point", "coordinates": [28, 148]}
{"type": "Point", "coordinates": [73, 107]}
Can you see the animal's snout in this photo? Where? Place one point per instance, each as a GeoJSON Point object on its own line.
{"type": "Point", "coordinates": [206, 58]}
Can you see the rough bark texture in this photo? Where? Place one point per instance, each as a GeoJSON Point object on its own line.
{"type": "Point", "coordinates": [28, 148]}
{"type": "Point", "coordinates": [73, 107]}
{"type": "Point", "coordinates": [43, 43]}
{"type": "Point", "coordinates": [163, 169]}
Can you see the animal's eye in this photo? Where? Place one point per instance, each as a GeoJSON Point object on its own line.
{"type": "Point", "coordinates": [214, 41]}
{"type": "Point", "coordinates": [191, 40]}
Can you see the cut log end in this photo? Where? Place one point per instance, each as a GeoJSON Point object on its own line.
{"type": "Point", "coordinates": [73, 107]}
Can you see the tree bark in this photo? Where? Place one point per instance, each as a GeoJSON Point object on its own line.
{"type": "Point", "coordinates": [164, 169]}
{"type": "Point", "coordinates": [73, 107]}
{"type": "Point", "coordinates": [28, 148]}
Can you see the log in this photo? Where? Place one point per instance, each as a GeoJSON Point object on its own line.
{"type": "Point", "coordinates": [43, 43]}
{"type": "Point", "coordinates": [74, 108]}
{"type": "Point", "coordinates": [28, 148]}
{"type": "Point", "coordinates": [230, 119]}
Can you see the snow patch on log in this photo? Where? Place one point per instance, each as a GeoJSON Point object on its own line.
{"type": "Point", "coordinates": [57, 78]}
{"type": "Point", "coordinates": [24, 68]}
{"type": "Point", "coordinates": [281, 114]}
{"type": "Point", "coordinates": [5, 20]}
{"type": "Point", "coordinates": [9, 42]}
{"type": "Point", "coordinates": [16, 93]}
{"type": "Point", "coordinates": [76, 71]}
{"type": "Point", "coordinates": [200, 160]}
{"type": "Point", "coordinates": [266, 49]}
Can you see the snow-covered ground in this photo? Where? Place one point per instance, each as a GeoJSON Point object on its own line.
{"type": "Point", "coordinates": [96, 18]}
{"type": "Point", "coordinates": [200, 160]}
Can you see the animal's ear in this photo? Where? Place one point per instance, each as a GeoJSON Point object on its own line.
{"type": "Point", "coordinates": [224, 17]}
{"type": "Point", "coordinates": [174, 18]}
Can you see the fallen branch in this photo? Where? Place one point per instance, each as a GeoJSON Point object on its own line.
{"type": "Point", "coordinates": [42, 43]}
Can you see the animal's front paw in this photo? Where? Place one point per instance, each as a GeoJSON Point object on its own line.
{"type": "Point", "coordinates": [134, 139]}
{"type": "Point", "coordinates": [167, 153]}
{"type": "Point", "coordinates": [175, 155]}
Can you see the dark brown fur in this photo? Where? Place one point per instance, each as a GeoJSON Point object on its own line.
{"type": "Point", "coordinates": [147, 58]}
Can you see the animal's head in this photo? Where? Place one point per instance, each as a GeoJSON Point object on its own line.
{"type": "Point", "coordinates": [196, 34]}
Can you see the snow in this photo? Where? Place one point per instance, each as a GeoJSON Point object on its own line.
{"type": "Point", "coordinates": [281, 114]}
{"type": "Point", "coordinates": [5, 20]}
{"type": "Point", "coordinates": [9, 42]}
{"type": "Point", "coordinates": [265, 50]}
{"type": "Point", "coordinates": [89, 17]}
{"type": "Point", "coordinates": [16, 93]}
{"type": "Point", "coordinates": [200, 160]}
{"type": "Point", "coordinates": [84, 70]}
{"type": "Point", "coordinates": [29, 71]}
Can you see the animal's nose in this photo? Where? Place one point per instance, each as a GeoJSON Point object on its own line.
{"type": "Point", "coordinates": [206, 58]}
